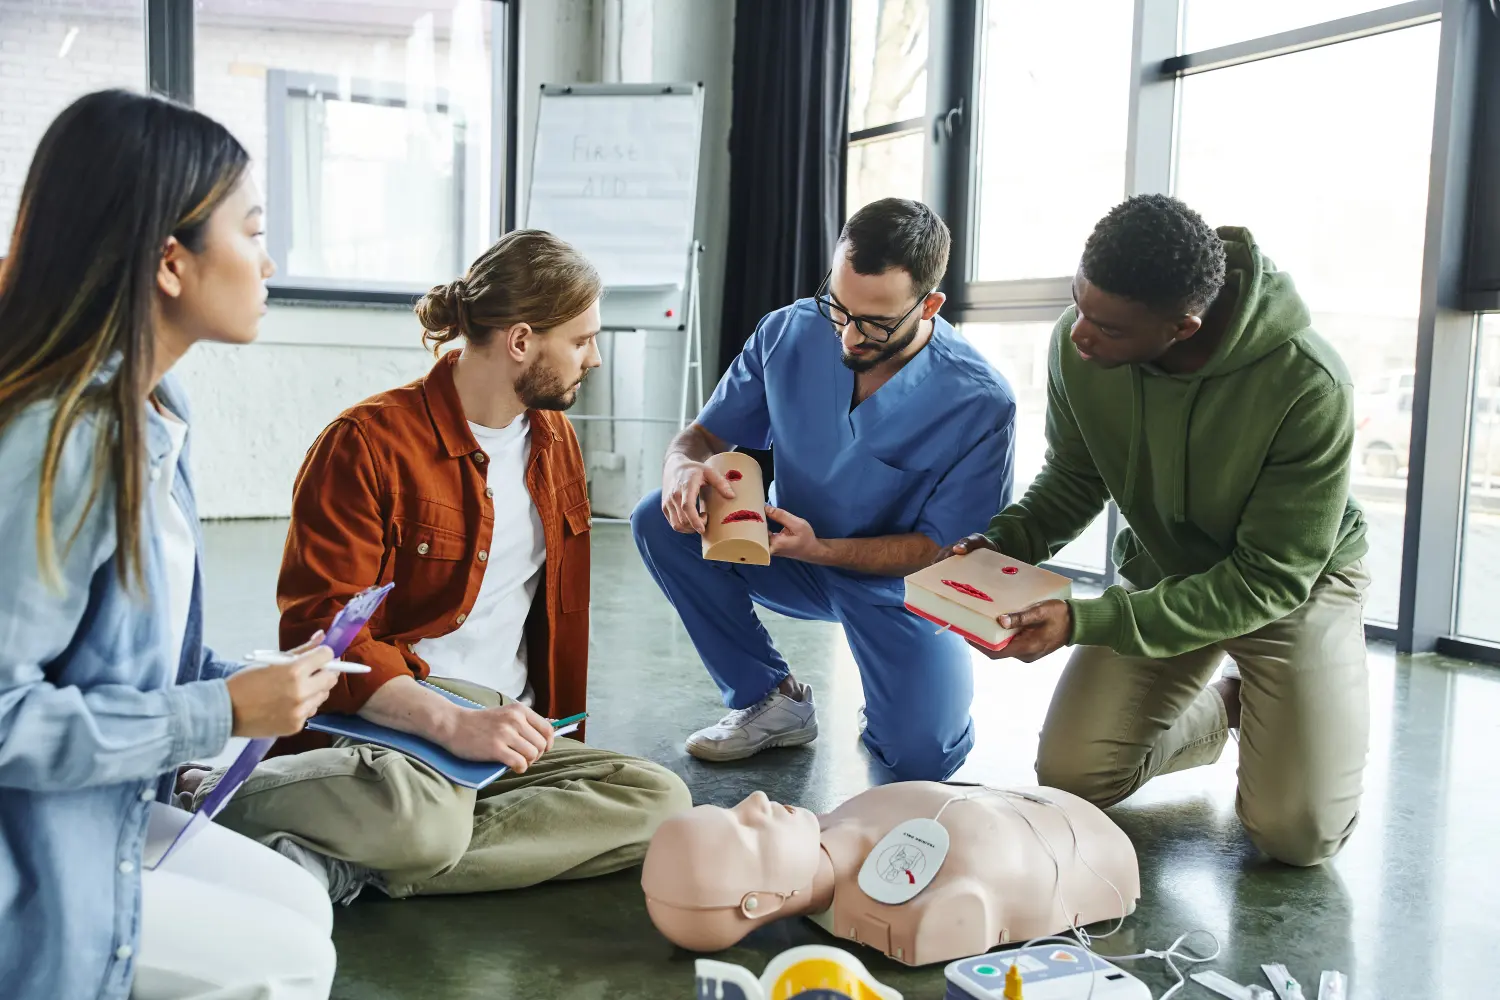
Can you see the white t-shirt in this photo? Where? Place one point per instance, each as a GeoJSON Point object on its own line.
{"type": "Point", "coordinates": [179, 550]}
{"type": "Point", "coordinates": [489, 648]}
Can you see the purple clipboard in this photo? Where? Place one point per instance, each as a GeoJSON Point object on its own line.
{"type": "Point", "coordinates": [359, 610]}
{"type": "Point", "coordinates": [340, 634]}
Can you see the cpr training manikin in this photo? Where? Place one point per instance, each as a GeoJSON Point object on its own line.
{"type": "Point", "coordinates": [924, 872]}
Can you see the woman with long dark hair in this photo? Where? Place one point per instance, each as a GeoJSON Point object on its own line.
{"type": "Point", "coordinates": [137, 237]}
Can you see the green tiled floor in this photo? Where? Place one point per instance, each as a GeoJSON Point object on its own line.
{"type": "Point", "coordinates": [1407, 910]}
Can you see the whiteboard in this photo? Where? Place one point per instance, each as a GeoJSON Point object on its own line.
{"type": "Point", "coordinates": [615, 173]}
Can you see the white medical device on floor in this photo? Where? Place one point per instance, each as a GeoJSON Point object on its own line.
{"type": "Point", "coordinates": [1048, 972]}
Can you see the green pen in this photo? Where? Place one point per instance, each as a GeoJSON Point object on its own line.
{"type": "Point", "coordinates": [559, 723]}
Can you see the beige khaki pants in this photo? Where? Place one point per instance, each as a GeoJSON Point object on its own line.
{"type": "Point", "coordinates": [1118, 721]}
{"type": "Point", "coordinates": [576, 813]}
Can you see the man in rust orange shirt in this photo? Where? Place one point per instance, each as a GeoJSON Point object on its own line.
{"type": "Point", "coordinates": [466, 490]}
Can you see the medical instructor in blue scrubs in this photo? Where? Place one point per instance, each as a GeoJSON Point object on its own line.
{"type": "Point", "coordinates": [892, 437]}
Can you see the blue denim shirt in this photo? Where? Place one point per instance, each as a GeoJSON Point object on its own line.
{"type": "Point", "coordinates": [93, 717]}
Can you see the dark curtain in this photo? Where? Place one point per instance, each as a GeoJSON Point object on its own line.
{"type": "Point", "coordinates": [787, 149]}
{"type": "Point", "coordinates": [787, 144]}
{"type": "Point", "coordinates": [1482, 263]}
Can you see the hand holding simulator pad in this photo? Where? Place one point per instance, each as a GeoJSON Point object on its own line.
{"type": "Point", "coordinates": [969, 593]}
{"type": "Point", "coordinates": [736, 529]}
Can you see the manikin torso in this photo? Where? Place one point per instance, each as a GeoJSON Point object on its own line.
{"type": "Point", "coordinates": [1021, 863]}
{"type": "Point", "coordinates": [998, 883]}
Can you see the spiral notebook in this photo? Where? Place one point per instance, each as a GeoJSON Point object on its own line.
{"type": "Point", "coordinates": [465, 773]}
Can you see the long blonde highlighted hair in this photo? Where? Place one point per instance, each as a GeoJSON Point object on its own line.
{"type": "Point", "coordinates": [115, 176]}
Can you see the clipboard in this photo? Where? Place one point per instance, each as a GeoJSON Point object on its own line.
{"type": "Point", "coordinates": [346, 625]}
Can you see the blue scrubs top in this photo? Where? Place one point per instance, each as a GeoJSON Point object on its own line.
{"type": "Point", "coordinates": [931, 451]}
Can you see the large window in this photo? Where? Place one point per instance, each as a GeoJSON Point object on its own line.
{"type": "Point", "coordinates": [51, 53]}
{"type": "Point", "coordinates": [888, 167]}
{"type": "Point", "coordinates": [888, 42]}
{"type": "Point", "coordinates": [1333, 186]}
{"type": "Point", "coordinates": [1052, 127]}
{"type": "Point", "coordinates": [1479, 586]}
{"type": "Point", "coordinates": [370, 127]}
{"type": "Point", "coordinates": [1314, 124]}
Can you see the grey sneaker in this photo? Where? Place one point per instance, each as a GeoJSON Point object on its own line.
{"type": "Point", "coordinates": [775, 721]}
{"type": "Point", "coordinates": [342, 879]}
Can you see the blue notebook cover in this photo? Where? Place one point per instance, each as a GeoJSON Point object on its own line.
{"type": "Point", "coordinates": [465, 773]}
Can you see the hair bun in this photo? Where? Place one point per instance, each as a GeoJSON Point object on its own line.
{"type": "Point", "coordinates": [527, 276]}
{"type": "Point", "coordinates": [441, 312]}
{"type": "Point", "coordinates": [437, 311]}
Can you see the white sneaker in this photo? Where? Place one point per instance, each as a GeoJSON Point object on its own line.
{"type": "Point", "coordinates": [775, 721]}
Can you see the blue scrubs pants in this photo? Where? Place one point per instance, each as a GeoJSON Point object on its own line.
{"type": "Point", "coordinates": [918, 684]}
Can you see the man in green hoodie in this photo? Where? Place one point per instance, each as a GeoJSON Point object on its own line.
{"type": "Point", "coordinates": [1186, 384]}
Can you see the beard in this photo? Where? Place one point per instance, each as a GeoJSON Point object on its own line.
{"type": "Point", "coordinates": [883, 353]}
{"type": "Point", "coordinates": [540, 388]}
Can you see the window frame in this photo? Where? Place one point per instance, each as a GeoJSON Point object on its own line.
{"type": "Point", "coordinates": [907, 126]}
{"type": "Point", "coordinates": [170, 53]}
{"type": "Point", "coordinates": [1441, 390]}
{"type": "Point", "coordinates": [1483, 407]}
{"type": "Point", "coordinates": [283, 86]}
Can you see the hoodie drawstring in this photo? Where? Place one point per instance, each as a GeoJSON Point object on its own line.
{"type": "Point", "coordinates": [1126, 501]}
{"type": "Point", "coordinates": [1177, 461]}
{"type": "Point", "coordinates": [1179, 485]}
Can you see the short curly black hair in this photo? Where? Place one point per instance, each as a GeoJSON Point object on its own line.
{"type": "Point", "coordinates": [1155, 250]}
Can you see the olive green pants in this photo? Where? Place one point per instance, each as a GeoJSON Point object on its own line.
{"type": "Point", "coordinates": [1118, 721]}
{"type": "Point", "coordinates": [576, 813]}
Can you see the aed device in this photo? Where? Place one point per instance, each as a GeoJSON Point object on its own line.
{"type": "Point", "coordinates": [1048, 972]}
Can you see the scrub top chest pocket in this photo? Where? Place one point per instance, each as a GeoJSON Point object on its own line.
{"type": "Point", "coordinates": [880, 498]}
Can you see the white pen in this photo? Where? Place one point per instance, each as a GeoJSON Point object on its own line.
{"type": "Point", "coordinates": [276, 658]}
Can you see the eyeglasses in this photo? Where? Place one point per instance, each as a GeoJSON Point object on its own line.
{"type": "Point", "coordinates": [868, 328]}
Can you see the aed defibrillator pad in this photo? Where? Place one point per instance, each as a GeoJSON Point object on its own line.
{"type": "Point", "coordinates": [905, 861]}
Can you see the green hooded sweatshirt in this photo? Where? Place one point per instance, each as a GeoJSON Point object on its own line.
{"type": "Point", "coordinates": [1233, 481]}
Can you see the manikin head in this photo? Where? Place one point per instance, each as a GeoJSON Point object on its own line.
{"type": "Point", "coordinates": [887, 266]}
{"type": "Point", "coordinates": [528, 311]}
{"type": "Point", "coordinates": [713, 875]}
{"type": "Point", "coordinates": [1150, 270]}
